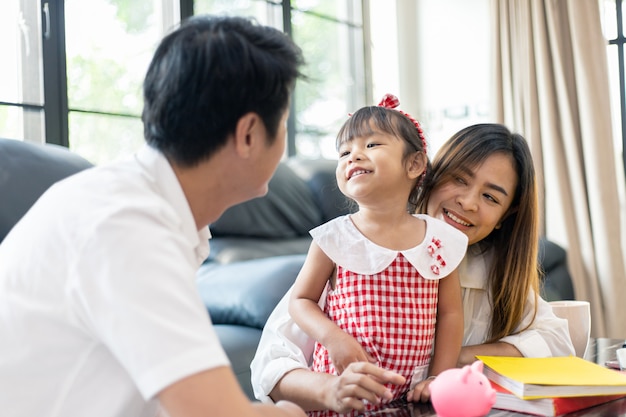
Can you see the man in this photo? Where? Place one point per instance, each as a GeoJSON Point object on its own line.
{"type": "Point", "coordinates": [99, 314]}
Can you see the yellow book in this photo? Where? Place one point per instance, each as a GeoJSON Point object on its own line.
{"type": "Point", "coordinates": [567, 376]}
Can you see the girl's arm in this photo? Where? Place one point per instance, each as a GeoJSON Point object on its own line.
{"type": "Point", "coordinates": [304, 309]}
{"type": "Point", "coordinates": [448, 334]}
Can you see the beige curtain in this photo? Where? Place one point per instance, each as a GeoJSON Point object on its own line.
{"type": "Point", "coordinates": [552, 86]}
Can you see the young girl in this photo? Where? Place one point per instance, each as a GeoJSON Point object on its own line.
{"type": "Point", "coordinates": [391, 275]}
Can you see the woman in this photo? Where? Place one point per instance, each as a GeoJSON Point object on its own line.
{"type": "Point", "coordinates": [483, 183]}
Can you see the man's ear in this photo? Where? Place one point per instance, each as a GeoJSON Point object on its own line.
{"type": "Point", "coordinates": [248, 132]}
{"type": "Point", "coordinates": [416, 164]}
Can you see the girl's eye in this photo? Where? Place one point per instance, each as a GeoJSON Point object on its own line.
{"type": "Point", "coordinates": [371, 145]}
{"type": "Point", "coordinates": [343, 153]}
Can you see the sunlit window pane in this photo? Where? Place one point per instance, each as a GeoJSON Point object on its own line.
{"type": "Point", "coordinates": [265, 13]}
{"type": "Point", "coordinates": [335, 86]}
{"type": "Point", "coordinates": [20, 50]}
{"type": "Point", "coordinates": [21, 71]}
{"type": "Point", "coordinates": [343, 10]}
{"type": "Point", "coordinates": [623, 16]}
{"type": "Point", "coordinates": [20, 123]}
{"type": "Point", "coordinates": [453, 93]}
{"type": "Point", "coordinates": [612, 53]}
{"type": "Point", "coordinates": [107, 58]}
{"type": "Point", "coordinates": [609, 19]}
{"type": "Point", "coordinates": [101, 138]}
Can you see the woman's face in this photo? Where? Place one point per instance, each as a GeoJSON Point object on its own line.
{"type": "Point", "coordinates": [476, 199]}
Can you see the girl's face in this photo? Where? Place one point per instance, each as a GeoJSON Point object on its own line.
{"type": "Point", "coordinates": [372, 169]}
{"type": "Point", "coordinates": [476, 200]}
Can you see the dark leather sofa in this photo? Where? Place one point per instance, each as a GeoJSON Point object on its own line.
{"type": "Point", "coordinates": [257, 248]}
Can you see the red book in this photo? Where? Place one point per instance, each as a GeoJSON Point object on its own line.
{"type": "Point", "coordinates": [551, 407]}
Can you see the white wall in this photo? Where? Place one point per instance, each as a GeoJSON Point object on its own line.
{"type": "Point", "coordinates": [435, 55]}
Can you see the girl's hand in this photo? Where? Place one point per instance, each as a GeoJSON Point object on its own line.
{"type": "Point", "coordinates": [421, 392]}
{"type": "Point", "coordinates": [360, 382]}
{"type": "Point", "coordinates": [344, 349]}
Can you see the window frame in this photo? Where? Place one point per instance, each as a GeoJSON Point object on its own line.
{"type": "Point", "coordinates": [56, 110]}
{"type": "Point", "coordinates": [620, 42]}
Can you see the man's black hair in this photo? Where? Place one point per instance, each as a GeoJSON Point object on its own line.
{"type": "Point", "coordinates": [208, 73]}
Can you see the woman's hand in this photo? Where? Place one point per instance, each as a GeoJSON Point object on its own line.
{"type": "Point", "coordinates": [360, 382]}
{"type": "Point", "coordinates": [421, 392]}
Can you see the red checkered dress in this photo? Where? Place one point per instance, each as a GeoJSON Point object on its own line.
{"type": "Point", "coordinates": [392, 313]}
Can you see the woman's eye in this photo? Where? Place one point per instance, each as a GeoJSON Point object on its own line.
{"type": "Point", "coordinates": [490, 198]}
{"type": "Point", "coordinates": [460, 180]}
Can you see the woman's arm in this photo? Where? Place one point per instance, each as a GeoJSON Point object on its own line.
{"type": "Point", "coordinates": [546, 336]}
{"type": "Point", "coordinates": [361, 381]}
{"type": "Point", "coordinates": [469, 353]}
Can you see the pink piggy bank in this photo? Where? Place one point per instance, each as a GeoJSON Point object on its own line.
{"type": "Point", "coordinates": [463, 392]}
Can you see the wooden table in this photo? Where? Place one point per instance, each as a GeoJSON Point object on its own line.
{"type": "Point", "coordinates": [599, 351]}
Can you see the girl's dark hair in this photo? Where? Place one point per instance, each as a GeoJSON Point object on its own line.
{"type": "Point", "coordinates": [514, 270]}
{"type": "Point", "coordinates": [368, 120]}
{"type": "Point", "coordinates": [206, 75]}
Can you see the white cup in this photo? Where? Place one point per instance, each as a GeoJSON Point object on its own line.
{"type": "Point", "coordinates": [578, 316]}
{"type": "Point", "coordinates": [621, 358]}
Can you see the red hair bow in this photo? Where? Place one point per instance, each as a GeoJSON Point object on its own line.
{"type": "Point", "coordinates": [390, 101]}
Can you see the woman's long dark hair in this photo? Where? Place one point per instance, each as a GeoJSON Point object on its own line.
{"type": "Point", "coordinates": [514, 270]}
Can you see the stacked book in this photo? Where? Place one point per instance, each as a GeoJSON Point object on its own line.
{"type": "Point", "coordinates": [551, 386]}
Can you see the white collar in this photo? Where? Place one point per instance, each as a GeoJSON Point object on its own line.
{"type": "Point", "coordinates": [345, 245]}
{"type": "Point", "coordinates": [159, 171]}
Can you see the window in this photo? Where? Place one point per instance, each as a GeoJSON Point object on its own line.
{"type": "Point", "coordinates": [331, 35]}
{"type": "Point", "coordinates": [21, 72]}
{"type": "Point", "coordinates": [614, 31]}
{"type": "Point", "coordinates": [107, 59]}
{"type": "Point", "coordinates": [76, 81]}
{"type": "Point", "coordinates": [417, 48]}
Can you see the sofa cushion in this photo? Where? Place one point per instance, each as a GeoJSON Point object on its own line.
{"type": "Point", "coordinates": [240, 343]}
{"type": "Point", "coordinates": [288, 210]}
{"type": "Point", "coordinates": [319, 175]}
{"type": "Point", "coordinates": [245, 293]}
{"type": "Point", "coordinates": [26, 171]}
{"type": "Point", "coordinates": [556, 283]}
{"type": "Point", "coordinates": [226, 250]}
